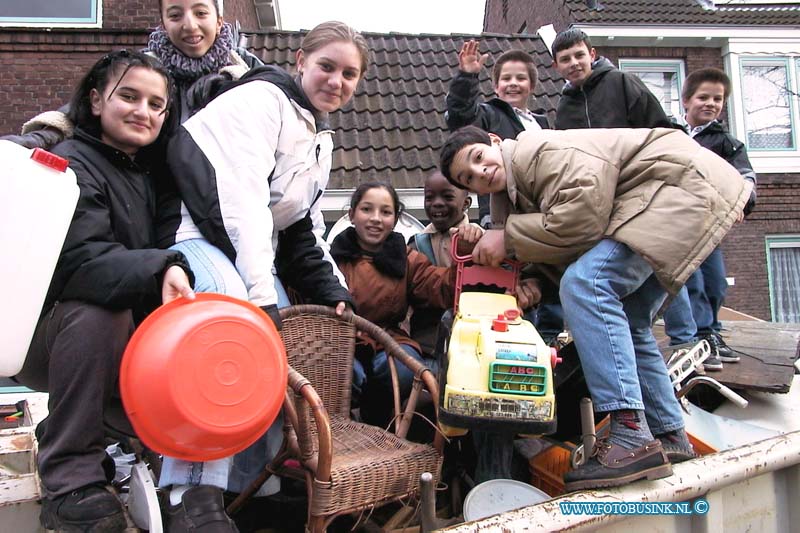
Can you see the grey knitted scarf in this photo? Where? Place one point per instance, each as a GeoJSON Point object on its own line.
{"type": "Point", "coordinates": [187, 69]}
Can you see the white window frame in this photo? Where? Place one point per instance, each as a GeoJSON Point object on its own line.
{"type": "Point", "coordinates": [772, 242]}
{"type": "Point", "coordinates": [745, 47]}
{"type": "Point", "coordinates": [94, 21]}
{"type": "Point", "coordinates": [659, 66]}
{"type": "Point", "coordinates": [790, 63]}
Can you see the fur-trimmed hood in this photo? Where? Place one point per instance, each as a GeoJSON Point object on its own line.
{"type": "Point", "coordinates": [391, 259]}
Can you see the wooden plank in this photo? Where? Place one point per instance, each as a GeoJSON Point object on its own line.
{"type": "Point", "coordinates": [768, 351]}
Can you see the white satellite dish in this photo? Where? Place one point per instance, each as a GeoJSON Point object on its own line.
{"type": "Point", "coordinates": [408, 225]}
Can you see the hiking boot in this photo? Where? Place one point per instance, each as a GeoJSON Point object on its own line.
{"type": "Point", "coordinates": [613, 465]}
{"type": "Point", "coordinates": [202, 509]}
{"type": "Point", "coordinates": [89, 509]}
{"type": "Point", "coordinates": [724, 351]}
{"type": "Point", "coordinates": [676, 451]}
{"type": "Point", "coordinates": [713, 363]}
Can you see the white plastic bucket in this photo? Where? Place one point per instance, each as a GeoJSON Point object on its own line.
{"type": "Point", "coordinates": [36, 208]}
{"type": "Point", "coordinates": [498, 496]}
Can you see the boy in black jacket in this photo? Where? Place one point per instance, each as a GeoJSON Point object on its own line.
{"type": "Point", "coordinates": [705, 92]}
{"type": "Point", "coordinates": [597, 95]}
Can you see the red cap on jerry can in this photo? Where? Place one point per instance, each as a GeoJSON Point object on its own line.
{"type": "Point", "coordinates": [49, 159]}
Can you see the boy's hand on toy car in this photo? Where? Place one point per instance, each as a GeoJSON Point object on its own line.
{"type": "Point", "coordinates": [468, 236]}
{"type": "Point", "coordinates": [491, 248]}
{"type": "Point", "coordinates": [528, 293]}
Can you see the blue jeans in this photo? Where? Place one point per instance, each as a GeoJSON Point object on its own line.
{"type": "Point", "coordinates": [379, 376]}
{"type": "Point", "coordinates": [707, 288]}
{"type": "Point", "coordinates": [679, 319]}
{"type": "Point", "coordinates": [215, 273]}
{"type": "Point", "coordinates": [549, 320]}
{"type": "Point", "coordinates": [610, 298]}
{"type": "Point", "coordinates": [373, 384]}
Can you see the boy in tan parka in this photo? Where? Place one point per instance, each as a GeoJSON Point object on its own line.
{"type": "Point", "coordinates": [628, 215]}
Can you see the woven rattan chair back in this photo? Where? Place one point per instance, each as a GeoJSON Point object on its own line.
{"type": "Point", "coordinates": [321, 348]}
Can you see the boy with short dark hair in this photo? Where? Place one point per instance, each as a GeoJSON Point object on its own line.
{"type": "Point", "coordinates": [446, 207]}
{"type": "Point", "coordinates": [597, 94]}
{"type": "Point", "coordinates": [705, 92]}
{"type": "Point", "coordinates": [514, 78]}
{"type": "Point", "coordinates": [628, 214]}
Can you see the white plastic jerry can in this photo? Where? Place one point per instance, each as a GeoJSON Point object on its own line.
{"type": "Point", "coordinates": [36, 207]}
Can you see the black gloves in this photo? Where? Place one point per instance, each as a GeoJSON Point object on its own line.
{"type": "Point", "coordinates": [205, 89]}
{"type": "Point", "coordinates": [272, 312]}
{"type": "Point", "coordinates": [45, 138]}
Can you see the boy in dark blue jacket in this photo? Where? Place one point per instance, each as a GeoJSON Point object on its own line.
{"type": "Point", "coordinates": [705, 92]}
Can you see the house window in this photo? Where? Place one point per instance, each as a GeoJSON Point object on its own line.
{"type": "Point", "coordinates": [766, 95]}
{"type": "Point", "coordinates": [47, 13]}
{"type": "Point", "coordinates": [664, 78]}
{"type": "Point", "coordinates": [783, 267]}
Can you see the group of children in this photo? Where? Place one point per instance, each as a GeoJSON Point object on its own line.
{"type": "Point", "coordinates": [200, 170]}
{"type": "Point", "coordinates": [587, 203]}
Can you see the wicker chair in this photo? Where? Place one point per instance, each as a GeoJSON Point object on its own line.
{"type": "Point", "coordinates": [347, 466]}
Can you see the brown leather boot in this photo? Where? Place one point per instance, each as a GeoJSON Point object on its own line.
{"type": "Point", "coordinates": [612, 465]}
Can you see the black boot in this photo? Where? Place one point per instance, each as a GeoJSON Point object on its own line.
{"type": "Point", "coordinates": [202, 509]}
{"type": "Point", "coordinates": [90, 509]}
{"type": "Point", "coordinates": [724, 351]}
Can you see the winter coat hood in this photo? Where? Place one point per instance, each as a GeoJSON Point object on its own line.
{"type": "Point", "coordinates": [390, 260]}
{"type": "Point", "coordinates": [600, 67]}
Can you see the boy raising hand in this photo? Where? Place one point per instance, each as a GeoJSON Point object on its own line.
{"type": "Point", "coordinates": [514, 78]}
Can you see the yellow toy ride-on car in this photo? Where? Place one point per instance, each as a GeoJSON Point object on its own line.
{"type": "Point", "coordinates": [495, 371]}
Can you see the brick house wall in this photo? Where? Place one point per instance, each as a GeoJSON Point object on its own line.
{"type": "Point", "coordinates": [127, 14]}
{"type": "Point", "coordinates": [39, 67]}
{"type": "Point", "coordinates": [744, 248]}
{"type": "Point", "coordinates": [242, 10]}
{"type": "Point", "coordinates": [508, 16]}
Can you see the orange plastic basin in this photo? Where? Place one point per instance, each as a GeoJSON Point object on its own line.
{"type": "Point", "coordinates": [203, 379]}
